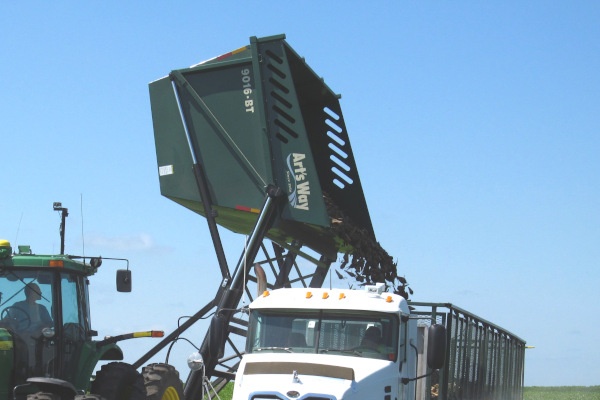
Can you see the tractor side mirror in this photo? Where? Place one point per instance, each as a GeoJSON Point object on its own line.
{"type": "Point", "coordinates": [436, 346]}
{"type": "Point", "coordinates": [123, 280]}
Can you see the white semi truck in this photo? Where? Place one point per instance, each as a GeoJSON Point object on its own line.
{"type": "Point", "coordinates": [332, 344]}
{"type": "Point", "coordinates": [316, 344]}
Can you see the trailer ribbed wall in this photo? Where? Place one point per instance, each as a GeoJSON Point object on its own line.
{"type": "Point", "coordinates": [483, 360]}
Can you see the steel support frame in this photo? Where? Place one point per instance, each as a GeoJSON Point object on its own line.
{"type": "Point", "coordinates": [233, 285]}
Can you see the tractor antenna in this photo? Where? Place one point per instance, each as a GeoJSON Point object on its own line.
{"type": "Point", "coordinates": [64, 213]}
{"type": "Point", "coordinates": [82, 237]}
{"type": "Point", "coordinates": [18, 229]}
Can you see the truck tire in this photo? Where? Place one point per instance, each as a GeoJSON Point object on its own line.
{"type": "Point", "coordinates": [119, 381]}
{"type": "Point", "coordinates": [43, 396]}
{"type": "Point", "coordinates": [162, 382]}
{"type": "Point", "coordinates": [89, 397]}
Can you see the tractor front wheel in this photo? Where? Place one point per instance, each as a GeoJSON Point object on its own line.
{"type": "Point", "coordinates": [162, 382]}
{"type": "Point", "coordinates": [53, 396]}
{"type": "Point", "coordinates": [119, 381]}
{"type": "Point", "coordinates": [43, 396]}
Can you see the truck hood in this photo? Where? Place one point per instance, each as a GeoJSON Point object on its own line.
{"type": "Point", "coordinates": [316, 376]}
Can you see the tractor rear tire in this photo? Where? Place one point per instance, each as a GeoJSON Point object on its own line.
{"type": "Point", "coordinates": [162, 382]}
{"type": "Point", "coordinates": [119, 381]}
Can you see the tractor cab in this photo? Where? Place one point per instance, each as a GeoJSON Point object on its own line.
{"type": "Point", "coordinates": [45, 328]}
{"type": "Point", "coordinates": [46, 312]}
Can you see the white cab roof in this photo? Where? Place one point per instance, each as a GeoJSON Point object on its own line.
{"type": "Point", "coordinates": [333, 299]}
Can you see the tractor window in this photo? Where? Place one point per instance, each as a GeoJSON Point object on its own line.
{"type": "Point", "coordinates": [72, 310]}
{"type": "Point", "coordinates": [26, 310]}
{"type": "Point", "coordinates": [26, 300]}
{"type": "Point", "coordinates": [69, 300]}
{"type": "Point", "coordinates": [74, 333]}
{"type": "Point", "coordinates": [87, 323]}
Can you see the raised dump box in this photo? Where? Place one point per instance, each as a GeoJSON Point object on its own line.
{"type": "Point", "coordinates": [257, 116]}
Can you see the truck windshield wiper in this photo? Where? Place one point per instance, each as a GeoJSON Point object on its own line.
{"type": "Point", "coordinates": [274, 348]}
{"type": "Point", "coordinates": [351, 351]}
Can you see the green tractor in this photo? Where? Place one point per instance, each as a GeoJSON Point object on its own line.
{"type": "Point", "coordinates": [47, 351]}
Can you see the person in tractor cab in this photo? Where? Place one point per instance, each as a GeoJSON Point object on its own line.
{"type": "Point", "coordinates": [30, 313]}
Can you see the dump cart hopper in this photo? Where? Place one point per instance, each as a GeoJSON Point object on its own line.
{"type": "Point", "coordinates": [256, 116]}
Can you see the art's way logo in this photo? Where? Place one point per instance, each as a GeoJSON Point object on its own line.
{"type": "Point", "coordinates": [298, 185]}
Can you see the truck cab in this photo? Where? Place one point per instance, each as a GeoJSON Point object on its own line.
{"type": "Point", "coordinates": [327, 344]}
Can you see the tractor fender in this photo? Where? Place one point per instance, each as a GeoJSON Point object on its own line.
{"type": "Point", "coordinates": [111, 352]}
{"type": "Point", "coordinates": [91, 355]}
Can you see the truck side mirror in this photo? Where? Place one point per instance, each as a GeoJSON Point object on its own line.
{"type": "Point", "coordinates": [436, 346]}
{"type": "Point", "coordinates": [123, 280]}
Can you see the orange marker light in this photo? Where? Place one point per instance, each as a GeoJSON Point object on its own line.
{"type": "Point", "coordinates": [266, 293]}
{"type": "Point", "coordinates": [56, 263]}
{"type": "Point", "coordinates": [342, 296]}
{"type": "Point", "coordinates": [325, 295]}
{"type": "Point", "coordinates": [389, 299]}
{"type": "Point", "coordinates": [308, 295]}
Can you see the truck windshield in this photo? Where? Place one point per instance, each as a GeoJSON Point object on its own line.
{"type": "Point", "coordinates": [347, 333]}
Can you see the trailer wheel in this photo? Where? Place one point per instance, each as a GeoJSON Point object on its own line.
{"type": "Point", "coordinates": [43, 396]}
{"type": "Point", "coordinates": [119, 381]}
{"type": "Point", "coordinates": [162, 382]}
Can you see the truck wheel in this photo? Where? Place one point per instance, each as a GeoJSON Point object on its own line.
{"type": "Point", "coordinates": [162, 382]}
{"type": "Point", "coordinates": [89, 397]}
{"type": "Point", "coordinates": [119, 381]}
{"type": "Point", "coordinates": [43, 396]}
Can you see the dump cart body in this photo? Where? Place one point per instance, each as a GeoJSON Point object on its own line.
{"type": "Point", "coordinates": [257, 116]}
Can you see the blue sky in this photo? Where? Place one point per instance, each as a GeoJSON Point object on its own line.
{"type": "Point", "coordinates": [474, 127]}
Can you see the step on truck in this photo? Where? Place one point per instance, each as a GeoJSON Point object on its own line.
{"type": "Point", "coordinates": [255, 142]}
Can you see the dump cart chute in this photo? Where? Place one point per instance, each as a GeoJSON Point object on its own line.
{"type": "Point", "coordinates": [257, 116]}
